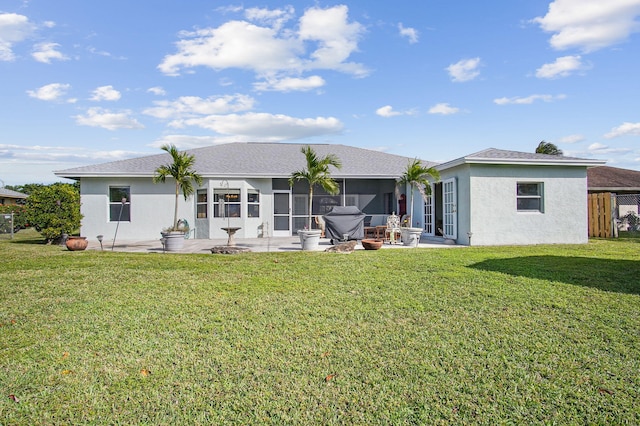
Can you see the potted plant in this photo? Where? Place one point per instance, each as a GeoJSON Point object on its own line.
{"type": "Point", "coordinates": [315, 173]}
{"type": "Point", "coordinates": [416, 176]}
{"type": "Point", "coordinates": [182, 171]}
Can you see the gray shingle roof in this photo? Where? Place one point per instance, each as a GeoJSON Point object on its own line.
{"type": "Point", "coordinates": [500, 156]}
{"type": "Point", "coordinates": [613, 178]}
{"type": "Point", "coordinates": [257, 160]}
{"type": "Point", "coordinates": [279, 160]}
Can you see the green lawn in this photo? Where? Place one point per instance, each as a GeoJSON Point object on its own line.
{"type": "Point", "coordinates": [494, 335]}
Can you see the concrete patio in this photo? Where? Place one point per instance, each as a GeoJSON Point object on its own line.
{"type": "Point", "coordinates": [273, 244]}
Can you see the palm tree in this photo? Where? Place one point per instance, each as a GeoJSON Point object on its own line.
{"type": "Point", "coordinates": [317, 173]}
{"type": "Point", "coordinates": [417, 175]}
{"type": "Point", "coordinates": [548, 148]}
{"type": "Point", "coordinates": [181, 169]}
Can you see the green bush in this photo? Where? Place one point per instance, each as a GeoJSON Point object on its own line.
{"type": "Point", "coordinates": [54, 210]}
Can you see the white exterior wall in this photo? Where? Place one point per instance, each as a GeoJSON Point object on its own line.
{"type": "Point", "coordinates": [494, 219]}
{"type": "Point", "coordinates": [152, 208]}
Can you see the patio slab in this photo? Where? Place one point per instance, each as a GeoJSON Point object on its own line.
{"type": "Point", "coordinates": [273, 244]}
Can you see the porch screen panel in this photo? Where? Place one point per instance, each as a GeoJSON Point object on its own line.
{"type": "Point", "coordinates": [281, 212]}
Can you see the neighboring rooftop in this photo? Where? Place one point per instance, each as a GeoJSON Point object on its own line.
{"type": "Point", "coordinates": [8, 193]}
{"type": "Point", "coordinates": [605, 178]}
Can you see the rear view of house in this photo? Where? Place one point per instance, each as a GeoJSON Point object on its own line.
{"type": "Point", "coordinates": [491, 197]}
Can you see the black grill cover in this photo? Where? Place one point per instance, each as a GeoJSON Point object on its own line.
{"type": "Point", "coordinates": [341, 221]}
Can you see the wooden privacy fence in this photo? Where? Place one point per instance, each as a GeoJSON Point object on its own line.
{"type": "Point", "coordinates": [600, 215]}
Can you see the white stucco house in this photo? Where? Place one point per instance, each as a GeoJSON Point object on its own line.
{"type": "Point", "coordinates": [492, 197]}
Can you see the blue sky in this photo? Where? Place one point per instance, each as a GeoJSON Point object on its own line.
{"type": "Point", "coordinates": [89, 82]}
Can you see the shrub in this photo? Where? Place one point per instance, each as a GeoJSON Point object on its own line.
{"type": "Point", "coordinates": [54, 210]}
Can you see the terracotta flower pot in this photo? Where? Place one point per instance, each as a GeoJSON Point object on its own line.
{"type": "Point", "coordinates": [76, 243]}
{"type": "Point", "coordinates": [371, 244]}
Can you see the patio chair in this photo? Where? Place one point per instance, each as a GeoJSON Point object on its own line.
{"type": "Point", "coordinates": [392, 233]}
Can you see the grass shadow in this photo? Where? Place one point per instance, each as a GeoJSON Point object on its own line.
{"type": "Point", "coordinates": [613, 275]}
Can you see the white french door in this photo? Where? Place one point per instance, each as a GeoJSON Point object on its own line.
{"type": "Point", "coordinates": [450, 209]}
{"type": "Point", "coordinates": [429, 217]}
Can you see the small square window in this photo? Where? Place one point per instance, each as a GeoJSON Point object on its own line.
{"type": "Point", "coordinates": [119, 204]}
{"type": "Point", "coordinates": [529, 197]}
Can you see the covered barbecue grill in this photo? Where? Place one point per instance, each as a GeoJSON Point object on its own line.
{"type": "Point", "coordinates": [344, 223]}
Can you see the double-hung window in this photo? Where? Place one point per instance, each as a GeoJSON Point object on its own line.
{"type": "Point", "coordinates": [119, 204]}
{"type": "Point", "coordinates": [253, 203]}
{"type": "Point", "coordinates": [529, 197]}
{"type": "Point", "coordinates": [201, 204]}
{"type": "Point", "coordinates": [226, 203]}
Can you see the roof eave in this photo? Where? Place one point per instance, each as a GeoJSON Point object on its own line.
{"type": "Point", "coordinates": [79, 175]}
{"type": "Point", "coordinates": [614, 188]}
{"type": "Point", "coordinates": [521, 162]}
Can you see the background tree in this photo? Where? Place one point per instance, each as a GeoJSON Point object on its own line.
{"type": "Point", "coordinates": [417, 176]}
{"type": "Point", "coordinates": [315, 173]}
{"type": "Point", "coordinates": [181, 170]}
{"type": "Point", "coordinates": [548, 148]}
{"type": "Point", "coordinates": [54, 210]}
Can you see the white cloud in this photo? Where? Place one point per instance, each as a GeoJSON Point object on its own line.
{"type": "Point", "coordinates": [190, 106]}
{"type": "Point", "coordinates": [45, 52]}
{"type": "Point", "coordinates": [624, 129]}
{"type": "Point", "coordinates": [387, 111]}
{"type": "Point", "coordinates": [50, 92]}
{"type": "Point", "coordinates": [464, 70]}
{"type": "Point", "coordinates": [14, 28]}
{"type": "Point", "coordinates": [589, 25]}
{"type": "Point", "coordinates": [528, 100]}
{"type": "Point", "coordinates": [410, 33]}
{"type": "Point", "coordinates": [562, 67]}
{"type": "Point", "coordinates": [264, 126]}
{"type": "Point", "coordinates": [268, 50]}
{"type": "Point", "coordinates": [235, 44]}
{"type": "Point", "coordinates": [337, 39]}
{"type": "Point", "coordinates": [443, 109]}
{"type": "Point", "coordinates": [275, 18]}
{"type": "Point", "coordinates": [572, 139]}
{"type": "Point", "coordinates": [600, 149]}
{"type": "Point", "coordinates": [105, 93]}
{"type": "Point", "coordinates": [157, 90]}
{"type": "Point", "coordinates": [289, 84]}
{"type": "Point", "coordinates": [99, 117]}
{"type": "Point", "coordinates": [186, 141]}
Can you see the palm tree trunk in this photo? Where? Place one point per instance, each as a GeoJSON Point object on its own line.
{"type": "Point", "coordinates": [175, 211]}
{"type": "Point", "coordinates": [310, 205]}
{"type": "Point", "coordinates": [411, 207]}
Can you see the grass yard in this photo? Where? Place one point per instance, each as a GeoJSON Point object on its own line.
{"type": "Point", "coordinates": [493, 335]}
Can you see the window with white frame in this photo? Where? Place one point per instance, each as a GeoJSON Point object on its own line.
{"type": "Point", "coordinates": [529, 196]}
{"type": "Point", "coordinates": [230, 199]}
{"type": "Point", "coordinates": [253, 203]}
{"type": "Point", "coordinates": [119, 204]}
{"type": "Point", "coordinates": [202, 206]}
